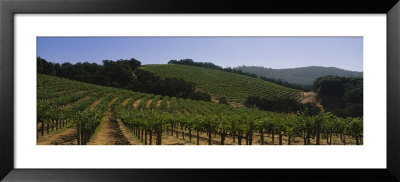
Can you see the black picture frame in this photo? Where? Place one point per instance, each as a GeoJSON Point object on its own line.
{"type": "Point", "coordinates": [8, 8]}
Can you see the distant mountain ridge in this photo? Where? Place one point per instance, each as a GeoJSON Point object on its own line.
{"type": "Point", "coordinates": [302, 75]}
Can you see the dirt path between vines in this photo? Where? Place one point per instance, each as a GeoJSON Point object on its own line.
{"type": "Point", "coordinates": [137, 102]}
{"type": "Point", "coordinates": [111, 132]}
{"type": "Point", "coordinates": [311, 97]}
{"type": "Point", "coordinates": [126, 101]}
{"type": "Point", "coordinates": [128, 134]}
{"type": "Point", "coordinates": [158, 103]}
{"type": "Point", "coordinates": [67, 137]}
{"type": "Point", "coordinates": [149, 103]}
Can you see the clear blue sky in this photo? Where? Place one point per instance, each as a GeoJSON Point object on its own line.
{"type": "Point", "coordinates": [270, 52]}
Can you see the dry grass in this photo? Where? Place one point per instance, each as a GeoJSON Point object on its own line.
{"type": "Point", "coordinates": [125, 102]}
{"type": "Point", "coordinates": [149, 103]}
{"type": "Point", "coordinates": [67, 137]}
{"type": "Point", "coordinates": [128, 134]}
{"type": "Point", "coordinates": [158, 103]}
{"type": "Point", "coordinates": [137, 102]}
{"type": "Point", "coordinates": [110, 132]}
{"type": "Point", "coordinates": [216, 139]}
{"type": "Point", "coordinates": [97, 102]}
{"type": "Point", "coordinates": [310, 97]}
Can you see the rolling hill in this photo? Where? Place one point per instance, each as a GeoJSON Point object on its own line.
{"type": "Point", "coordinates": [236, 88]}
{"type": "Point", "coordinates": [77, 113]}
{"type": "Point", "coordinates": [301, 76]}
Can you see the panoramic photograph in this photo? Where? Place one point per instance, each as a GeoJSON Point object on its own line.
{"type": "Point", "coordinates": [199, 91]}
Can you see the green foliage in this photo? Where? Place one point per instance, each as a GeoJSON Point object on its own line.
{"type": "Point", "coordinates": [44, 67]}
{"type": "Point", "coordinates": [329, 86]}
{"type": "Point", "coordinates": [222, 100]}
{"type": "Point", "coordinates": [284, 105]}
{"type": "Point", "coordinates": [356, 127]}
{"type": "Point", "coordinates": [209, 65]}
{"type": "Point", "coordinates": [235, 87]}
{"type": "Point", "coordinates": [342, 96]}
{"type": "Point", "coordinates": [124, 74]}
{"type": "Point", "coordinates": [303, 76]}
{"type": "Point", "coordinates": [176, 113]}
{"type": "Point", "coordinates": [286, 84]}
{"type": "Point", "coordinates": [311, 109]}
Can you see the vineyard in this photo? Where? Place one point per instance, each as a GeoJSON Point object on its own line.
{"type": "Point", "coordinates": [223, 84]}
{"type": "Point", "coordinates": [72, 112]}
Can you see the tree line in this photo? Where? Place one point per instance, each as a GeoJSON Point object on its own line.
{"type": "Point", "coordinates": [124, 74]}
{"type": "Point", "coordinates": [342, 96]}
{"type": "Point", "coordinates": [281, 105]}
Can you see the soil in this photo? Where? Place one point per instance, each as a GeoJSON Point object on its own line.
{"type": "Point", "coordinates": [169, 140]}
{"type": "Point", "coordinates": [158, 103]}
{"type": "Point", "coordinates": [126, 101]}
{"type": "Point", "coordinates": [97, 102]}
{"type": "Point", "coordinates": [67, 137]}
{"type": "Point", "coordinates": [311, 97]}
{"type": "Point", "coordinates": [70, 104]}
{"type": "Point", "coordinates": [214, 99]}
{"type": "Point", "coordinates": [110, 133]}
{"type": "Point", "coordinates": [216, 140]}
{"type": "Point", "coordinates": [149, 103]}
{"type": "Point", "coordinates": [82, 91]}
{"type": "Point", "coordinates": [113, 132]}
{"type": "Point", "coordinates": [137, 102]}
{"type": "Point", "coordinates": [128, 134]}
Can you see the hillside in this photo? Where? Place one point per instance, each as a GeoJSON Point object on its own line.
{"type": "Point", "coordinates": [302, 76]}
{"type": "Point", "coordinates": [236, 88]}
{"type": "Point", "coordinates": [77, 113]}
